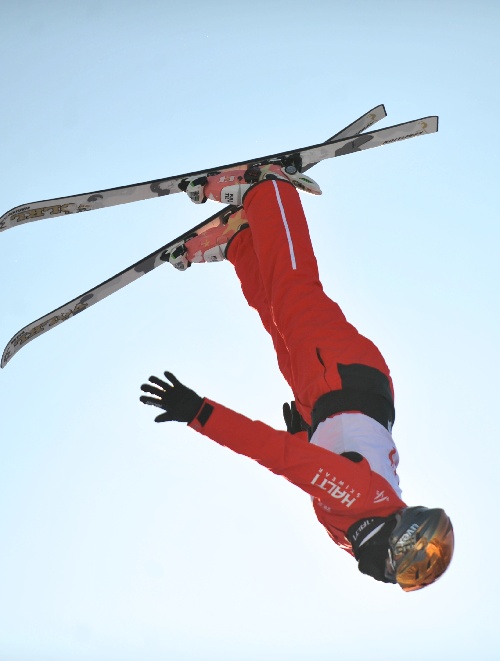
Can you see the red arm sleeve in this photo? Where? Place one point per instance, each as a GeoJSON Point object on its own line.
{"type": "Point", "coordinates": [340, 484]}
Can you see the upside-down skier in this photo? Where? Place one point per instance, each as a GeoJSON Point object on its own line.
{"type": "Point", "coordinates": [338, 446]}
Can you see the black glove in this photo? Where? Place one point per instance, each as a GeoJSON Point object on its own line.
{"type": "Point", "coordinates": [293, 420]}
{"type": "Point", "coordinates": [179, 402]}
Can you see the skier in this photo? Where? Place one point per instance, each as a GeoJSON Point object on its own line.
{"type": "Point", "coordinates": [341, 384]}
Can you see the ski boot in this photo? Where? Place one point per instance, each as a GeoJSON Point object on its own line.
{"type": "Point", "coordinates": [209, 245]}
{"type": "Point", "coordinates": [229, 186]}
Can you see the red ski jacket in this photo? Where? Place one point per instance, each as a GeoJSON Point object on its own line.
{"type": "Point", "coordinates": [343, 491]}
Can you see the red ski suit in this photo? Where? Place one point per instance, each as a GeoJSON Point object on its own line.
{"type": "Point", "coordinates": [275, 263]}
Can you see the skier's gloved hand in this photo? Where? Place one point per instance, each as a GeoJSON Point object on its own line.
{"type": "Point", "coordinates": [194, 187]}
{"type": "Point", "coordinates": [293, 420]}
{"type": "Point", "coordinates": [179, 402]}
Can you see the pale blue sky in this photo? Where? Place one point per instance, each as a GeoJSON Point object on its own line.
{"type": "Point", "coordinates": [122, 540]}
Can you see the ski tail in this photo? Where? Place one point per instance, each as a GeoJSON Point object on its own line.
{"type": "Point", "coordinates": [358, 126]}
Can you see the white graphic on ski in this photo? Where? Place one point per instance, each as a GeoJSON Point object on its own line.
{"type": "Point", "coordinates": [305, 156]}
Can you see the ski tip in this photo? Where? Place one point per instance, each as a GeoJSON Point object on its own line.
{"type": "Point", "coordinates": [5, 359]}
{"type": "Point", "coordinates": [9, 352]}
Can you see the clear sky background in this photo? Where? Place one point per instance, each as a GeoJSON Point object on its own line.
{"type": "Point", "coordinates": [122, 540]}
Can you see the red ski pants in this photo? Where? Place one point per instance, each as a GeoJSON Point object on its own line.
{"type": "Point", "coordinates": [277, 268]}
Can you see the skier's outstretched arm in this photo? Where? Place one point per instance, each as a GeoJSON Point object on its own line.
{"type": "Point", "coordinates": [313, 469]}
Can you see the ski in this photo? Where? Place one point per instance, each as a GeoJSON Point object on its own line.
{"type": "Point", "coordinates": [304, 158]}
{"type": "Point", "coordinates": [218, 222]}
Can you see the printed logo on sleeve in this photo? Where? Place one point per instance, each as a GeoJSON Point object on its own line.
{"type": "Point", "coordinates": [337, 489]}
{"type": "Point", "coordinates": [380, 497]}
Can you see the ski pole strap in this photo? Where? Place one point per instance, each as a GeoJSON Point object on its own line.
{"type": "Point", "coordinates": [364, 389]}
